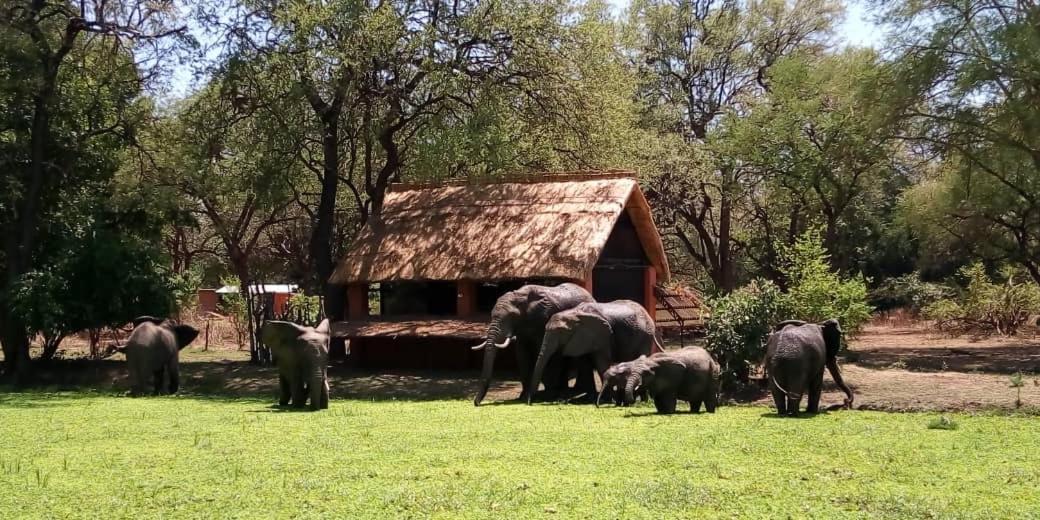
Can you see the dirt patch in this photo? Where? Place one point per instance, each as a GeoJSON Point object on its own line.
{"type": "Point", "coordinates": [889, 368]}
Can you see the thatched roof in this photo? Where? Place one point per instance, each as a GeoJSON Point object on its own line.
{"type": "Point", "coordinates": [550, 226]}
{"type": "Point", "coordinates": [679, 306]}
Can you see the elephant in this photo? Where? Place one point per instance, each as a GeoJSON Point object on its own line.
{"type": "Point", "coordinates": [153, 351]}
{"type": "Point", "coordinates": [689, 374]}
{"type": "Point", "coordinates": [302, 356]}
{"type": "Point", "coordinates": [614, 381]}
{"type": "Point", "coordinates": [611, 332]}
{"type": "Point", "coordinates": [796, 353]}
{"type": "Point", "coordinates": [519, 319]}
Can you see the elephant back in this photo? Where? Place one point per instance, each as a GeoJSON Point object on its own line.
{"type": "Point", "coordinates": [566, 296]}
{"type": "Point", "coordinates": [796, 341]}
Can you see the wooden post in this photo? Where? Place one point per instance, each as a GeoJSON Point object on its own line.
{"type": "Point", "coordinates": [649, 298]}
{"type": "Point", "coordinates": [357, 301]}
{"type": "Point", "coordinates": [466, 298]}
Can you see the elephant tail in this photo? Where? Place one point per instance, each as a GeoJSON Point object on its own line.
{"type": "Point", "coordinates": [777, 384]}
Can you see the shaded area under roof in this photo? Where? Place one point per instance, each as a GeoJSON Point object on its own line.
{"type": "Point", "coordinates": [419, 327]}
{"type": "Point", "coordinates": [547, 226]}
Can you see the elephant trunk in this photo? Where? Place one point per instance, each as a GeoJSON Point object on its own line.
{"type": "Point", "coordinates": [549, 342]}
{"type": "Point", "coordinates": [490, 349]}
{"type": "Point", "coordinates": [630, 388]}
{"type": "Point", "coordinates": [832, 367]}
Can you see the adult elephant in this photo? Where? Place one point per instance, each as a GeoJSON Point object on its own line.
{"type": "Point", "coordinates": [302, 356]}
{"type": "Point", "coordinates": [796, 354]}
{"type": "Point", "coordinates": [688, 374]}
{"type": "Point", "coordinates": [519, 319]}
{"type": "Point", "coordinates": [612, 332]}
{"type": "Point", "coordinates": [153, 353]}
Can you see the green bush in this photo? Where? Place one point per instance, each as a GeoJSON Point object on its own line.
{"type": "Point", "coordinates": [739, 324]}
{"type": "Point", "coordinates": [987, 306]}
{"type": "Point", "coordinates": [816, 293]}
{"type": "Point", "coordinates": [909, 292]}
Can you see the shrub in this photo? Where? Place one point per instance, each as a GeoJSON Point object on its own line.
{"type": "Point", "coordinates": [909, 292]}
{"type": "Point", "coordinates": [739, 325]}
{"type": "Point", "coordinates": [816, 293]}
{"type": "Point", "coordinates": [985, 305]}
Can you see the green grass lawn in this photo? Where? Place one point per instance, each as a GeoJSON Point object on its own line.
{"type": "Point", "coordinates": [103, 456]}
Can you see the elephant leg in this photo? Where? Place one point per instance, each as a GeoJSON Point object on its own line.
{"type": "Point", "coordinates": [711, 400]}
{"type": "Point", "coordinates": [175, 383]}
{"type": "Point", "coordinates": [815, 389]}
{"type": "Point", "coordinates": [324, 393]}
{"type": "Point", "coordinates": [793, 401]}
{"type": "Point", "coordinates": [315, 388]}
{"type": "Point", "coordinates": [585, 382]}
{"type": "Point", "coordinates": [524, 366]}
{"type": "Point", "coordinates": [780, 400]}
{"type": "Point", "coordinates": [157, 381]}
{"type": "Point", "coordinates": [554, 378]}
{"type": "Point", "coordinates": [695, 406]}
{"type": "Point", "coordinates": [299, 393]}
{"type": "Point", "coordinates": [285, 394]}
{"type": "Point", "coordinates": [665, 403]}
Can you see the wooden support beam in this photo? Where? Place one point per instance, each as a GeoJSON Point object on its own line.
{"type": "Point", "coordinates": [649, 298]}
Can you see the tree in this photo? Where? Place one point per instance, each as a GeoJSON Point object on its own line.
{"type": "Point", "coordinates": [968, 76]}
{"type": "Point", "coordinates": [70, 74]}
{"type": "Point", "coordinates": [701, 60]}
{"type": "Point", "coordinates": [823, 155]}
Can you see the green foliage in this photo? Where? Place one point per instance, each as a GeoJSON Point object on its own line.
{"type": "Point", "coordinates": [102, 280]}
{"type": "Point", "coordinates": [304, 309]}
{"type": "Point", "coordinates": [816, 292]}
{"type": "Point", "coordinates": [987, 306]}
{"type": "Point", "coordinates": [739, 324]}
{"type": "Point", "coordinates": [403, 462]}
{"type": "Point", "coordinates": [908, 292]}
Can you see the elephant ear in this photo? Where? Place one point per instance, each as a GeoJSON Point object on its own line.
{"type": "Point", "coordinates": [323, 327]}
{"type": "Point", "coordinates": [278, 333]}
{"type": "Point", "coordinates": [147, 319]}
{"type": "Point", "coordinates": [591, 330]}
{"type": "Point", "coordinates": [831, 337]}
{"type": "Point", "coordinates": [185, 334]}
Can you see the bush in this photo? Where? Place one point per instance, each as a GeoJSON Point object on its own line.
{"type": "Point", "coordinates": [816, 293]}
{"type": "Point", "coordinates": [987, 306]}
{"type": "Point", "coordinates": [909, 292]}
{"type": "Point", "coordinates": [739, 325]}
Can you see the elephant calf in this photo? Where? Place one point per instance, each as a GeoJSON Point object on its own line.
{"type": "Point", "coordinates": [689, 374]}
{"type": "Point", "coordinates": [302, 356]}
{"type": "Point", "coordinates": [796, 354]}
{"type": "Point", "coordinates": [153, 352]}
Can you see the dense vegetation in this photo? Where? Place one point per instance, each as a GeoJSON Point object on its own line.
{"type": "Point", "coordinates": [92, 456]}
{"type": "Point", "coordinates": [751, 124]}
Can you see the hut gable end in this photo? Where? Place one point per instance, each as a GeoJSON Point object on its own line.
{"type": "Point", "coordinates": [552, 226]}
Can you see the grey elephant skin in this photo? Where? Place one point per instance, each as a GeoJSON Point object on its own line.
{"type": "Point", "coordinates": [612, 332]}
{"type": "Point", "coordinates": [689, 374]}
{"type": "Point", "coordinates": [614, 379]}
{"type": "Point", "coordinates": [153, 353]}
{"type": "Point", "coordinates": [796, 354]}
{"type": "Point", "coordinates": [302, 356]}
{"type": "Point", "coordinates": [518, 320]}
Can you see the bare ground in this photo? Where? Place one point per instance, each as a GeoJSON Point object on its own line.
{"type": "Point", "coordinates": [896, 368]}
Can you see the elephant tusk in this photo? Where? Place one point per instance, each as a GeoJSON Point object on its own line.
{"type": "Point", "coordinates": [479, 347]}
{"type": "Point", "coordinates": [505, 343]}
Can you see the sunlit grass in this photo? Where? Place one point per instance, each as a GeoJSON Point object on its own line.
{"type": "Point", "coordinates": [102, 456]}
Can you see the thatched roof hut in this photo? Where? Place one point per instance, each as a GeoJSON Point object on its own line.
{"type": "Point", "coordinates": [441, 254]}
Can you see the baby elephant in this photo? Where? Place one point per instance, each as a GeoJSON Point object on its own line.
{"type": "Point", "coordinates": [302, 356]}
{"type": "Point", "coordinates": [689, 374]}
{"type": "Point", "coordinates": [614, 382]}
{"type": "Point", "coordinates": [153, 351]}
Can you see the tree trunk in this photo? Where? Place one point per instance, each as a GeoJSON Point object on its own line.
{"type": "Point", "coordinates": [321, 238]}
{"type": "Point", "coordinates": [727, 275]}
